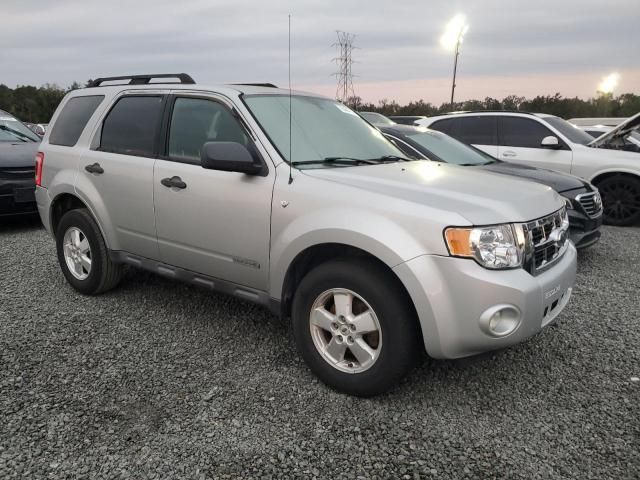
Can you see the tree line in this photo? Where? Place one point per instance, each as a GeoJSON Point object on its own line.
{"type": "Point", "coordinates": [37, 104]}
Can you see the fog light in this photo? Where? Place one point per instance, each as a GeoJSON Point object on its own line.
{"type": "Point", "coordinates": [500, 320]}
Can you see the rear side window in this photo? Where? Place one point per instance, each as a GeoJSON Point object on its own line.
{"type": "Point", "coordinates": [481, 130]}
{"type": "Point", "coordinates": [72, 120]}
{"type": "Point", "coordinates": [522, 132]}
{"type": "Point", "coordinates": [132, 125]}
{"type": "Point", "coordinates": [444, 126]}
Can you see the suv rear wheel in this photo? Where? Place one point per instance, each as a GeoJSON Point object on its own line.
{"type": "Point", "coordinates": [355, 327]}
{"type": "Point", "coordinates": [83, 254]}
{"type": "Point", "coordinates": [620, 199]}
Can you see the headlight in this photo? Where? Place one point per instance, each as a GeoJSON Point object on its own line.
{"type": "Point", "coordinates": [568, 203]}
{"type": "Point", "coordinates": [495, 247]}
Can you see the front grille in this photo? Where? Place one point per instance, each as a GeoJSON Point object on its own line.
{"type": "Point", "coordinates": [591, 203]}
{"type": "Point", "coordinates": [13, 173]}
{"type": "Point", "coordinates": [548, 238]}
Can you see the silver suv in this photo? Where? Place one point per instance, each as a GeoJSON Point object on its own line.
{"type": "Point", "coordinates": [370, 257]}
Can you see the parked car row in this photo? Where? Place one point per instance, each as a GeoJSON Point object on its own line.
{"type": "Point", "coordinates": [371, 253]}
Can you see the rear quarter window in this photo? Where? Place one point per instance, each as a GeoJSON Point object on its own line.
{"type": "Point", "coordinates": [72, 120]}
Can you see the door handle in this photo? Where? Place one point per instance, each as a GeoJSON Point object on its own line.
{"type": "Point", "coordinates": [95, 168]}
{"type": "Point", "coordinates": [173, 182]}
{"type": "Point", "coordinates": [509, 153]}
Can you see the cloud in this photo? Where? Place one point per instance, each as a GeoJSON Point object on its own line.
{"type": "Point", "coordinates": [226, 40]}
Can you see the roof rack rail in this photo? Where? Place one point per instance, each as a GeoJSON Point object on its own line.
{"type": "Point", "coordinates": [460, 112]}
{"type": "Point", "coordinates": [143, 79]}
{"type": "Point", "coordinates": [268, 85]}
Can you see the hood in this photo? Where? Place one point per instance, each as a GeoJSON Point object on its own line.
{"type": "Point", "coordinates": [482, 197]}
{"type": "Point", "coordinates": [18, 154]}
{"type": "Point", "coordinates": [617, 133]}
{"type": "Point", "coordinates": [560, 182]}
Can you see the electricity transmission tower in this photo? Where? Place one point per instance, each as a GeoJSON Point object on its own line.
{"type": "Point", "coordinates": [344, 61]}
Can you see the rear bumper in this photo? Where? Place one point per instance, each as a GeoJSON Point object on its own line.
{"type": "Point", "coordinates": [17, 196]}
{"type": "Point", "coordinates": [43, 203]}
{"type": "Point", "coordinates": [583, 230]}
{"type": "Point", "coordinates": [452, 297]}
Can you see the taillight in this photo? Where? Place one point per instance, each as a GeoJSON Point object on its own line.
{"type": "Point", "coordinates": [39, 165]}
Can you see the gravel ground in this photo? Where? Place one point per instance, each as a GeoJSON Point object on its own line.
{"type": "Point", "coordinates": [161, 380]}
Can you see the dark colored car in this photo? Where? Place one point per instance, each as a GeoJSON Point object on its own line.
{"type": "Point", "coordinates": [18, 148]}
{"type": "Point", "coordinates": [583, 200]}
{"type": "Point", "coordinates": [406, 119]}
{"type": "Point", "coordinates": [376, 119]}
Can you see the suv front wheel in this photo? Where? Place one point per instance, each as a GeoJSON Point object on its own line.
{"type": "Point", "coordinates": [355, 326]}
{"type": "Point", "coordinates": [83, 255]}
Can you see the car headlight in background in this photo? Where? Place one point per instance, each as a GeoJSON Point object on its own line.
{"type": "Point", "coordinates": [568, 203]}
{"type": "Point", "coordinates": [495, 247]}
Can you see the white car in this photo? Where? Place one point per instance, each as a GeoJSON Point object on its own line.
{"type": "Point", "coordinates": [547, 141]}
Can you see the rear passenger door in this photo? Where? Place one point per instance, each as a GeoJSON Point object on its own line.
{"type": "Point", "coordinates": [520, 141]}
{"type": "Point", "coordinates": [219, 223]}
{"type": "Point", "coordinates": [481, 131]}
{"type": "Point", "coordinates": [116, 174]}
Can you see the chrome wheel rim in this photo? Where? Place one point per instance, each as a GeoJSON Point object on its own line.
{"type": "Point", "coordinates": [77, 253]}
{"type": "Point", "coordinates": [345, 330]}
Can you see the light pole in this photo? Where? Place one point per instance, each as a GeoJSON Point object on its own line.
{"type": "Point", "coordinates": [451, 40]}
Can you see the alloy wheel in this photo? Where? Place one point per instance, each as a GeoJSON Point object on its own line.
{"type": "Point", "coordinates": [345, 330]}
{"type": "Point", "coordinates": [77, 253]}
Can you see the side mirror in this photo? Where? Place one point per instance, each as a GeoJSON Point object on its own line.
{"type": "Point", "coordinates": [229, 157]}
{"type": "Point", "coordinates": [550, 142]}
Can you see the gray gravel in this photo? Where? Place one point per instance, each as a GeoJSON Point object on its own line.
{"type": "Point", "coordinates": [162, 380]}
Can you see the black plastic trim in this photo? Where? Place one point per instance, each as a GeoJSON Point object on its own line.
{"type": "Point", "coordinates": [253, 295]}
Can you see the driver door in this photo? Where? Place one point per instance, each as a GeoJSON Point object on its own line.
{"type": "Point", "coordinates": [214, 222]}
{"type": "Point", "coordinates": [520, 141]}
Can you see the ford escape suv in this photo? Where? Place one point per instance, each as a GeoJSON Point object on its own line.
{"type": "Point", "coordinates": [292, 201]}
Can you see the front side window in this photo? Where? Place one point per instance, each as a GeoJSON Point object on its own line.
{"type": "Point", "coordinates": [522, 132]}
{"type": "Point", "coordinates": [72, 120]}
{"type": "Point", "coordinates": [320, 129]}
{"type": "Point", "coordinates": [131, 126]}
{"type": "Point", "coordinates": [445, 126]}
{"type": "Point", "coordinates": [480, 130]}
{"type": "Point", "coordinates": [573, 133]}
{"type": "Point", "coordinates": [196, 121]}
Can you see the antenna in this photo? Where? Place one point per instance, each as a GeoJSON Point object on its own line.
{"type": "Point", "coordinates": [290, 114]}
{"type": "Point", "coordinates": [344, 61]}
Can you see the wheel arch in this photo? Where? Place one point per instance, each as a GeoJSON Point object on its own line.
{"type": "Point", "coordinates": [601, 175]}
{"type": "Point", "coordinates": [314, 255]}
{"type": "Point", "coordinates": [64, 202]}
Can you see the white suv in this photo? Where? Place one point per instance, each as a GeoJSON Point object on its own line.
{"type": "Point", "coordinates": [547, 141]}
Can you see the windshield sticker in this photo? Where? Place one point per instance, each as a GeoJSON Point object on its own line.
{"type": "Point", "coordinates": [345, 109]}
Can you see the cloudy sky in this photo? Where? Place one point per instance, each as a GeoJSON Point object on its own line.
{"type": "Point", "coordinates": [512, 47]}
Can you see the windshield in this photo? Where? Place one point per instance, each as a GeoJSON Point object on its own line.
{"type": "Point", "coordinates": [12, 130]}
{"type": "Point", "coordinates": [376, 118]}
{"type": "Point", "coordinates": [440, 147]}
{"type": "Point", "coordinates": [320, 129]}
{"type": "Point", "coordinates": [573, 133]}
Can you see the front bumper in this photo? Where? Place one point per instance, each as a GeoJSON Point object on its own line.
{"type": "Point", "coordinates": [584, 231]}
{"type": "Point", "coordinates": [17, 196]}
{"type": "Point", "coordinates": [452, 294]}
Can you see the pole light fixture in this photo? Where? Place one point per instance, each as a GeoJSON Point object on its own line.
{"type": "Point", "coordinates": [609, 83]}
{"type": "Point", "coordinates": [451, 40]}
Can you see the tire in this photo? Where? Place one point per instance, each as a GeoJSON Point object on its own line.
{"type": "Point", "coordinates": [102, 274]}
{"type": "Point", "coordinates": [621, 199]}
{"type": "Point", "coordinates": [376, 295]}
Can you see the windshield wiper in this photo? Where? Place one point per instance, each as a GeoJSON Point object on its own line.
{"type": "Point", "coordinates": [392, 158]}
{"type": "Point", "coordinates": [337, 161]}
{"type": "Point", "coordinates": [16, 133]}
